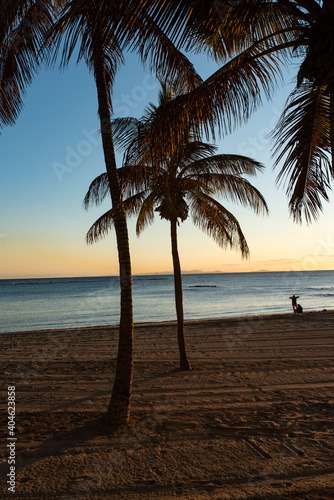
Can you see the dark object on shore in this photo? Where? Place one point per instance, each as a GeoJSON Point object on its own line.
{"type": "Point", "coordinates": [299, 309]}
{"type": "Point", "coordinates": [294, 302]}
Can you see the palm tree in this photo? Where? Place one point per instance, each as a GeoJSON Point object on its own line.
{"type": "Point", "coordinates": [105, 29]}
{"type": "Point", "coordinates": [304, 136]}
{"type": "Point", "coordinates": [23, 26]}
{"type": "Point", "coordinates": [300, 30]}
{"type": "Point", "coordinates": [252, 39]}
{"type": "Point", "coordinates": [176, 180]}
{"type": "Point", "coordinates": [241, 40]}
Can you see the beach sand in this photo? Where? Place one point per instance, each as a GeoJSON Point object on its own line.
{"type": "Point", "coordinates": [252, 420]}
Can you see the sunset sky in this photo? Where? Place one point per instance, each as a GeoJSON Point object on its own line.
{"type": "Point", "coordinates": [54, 151]}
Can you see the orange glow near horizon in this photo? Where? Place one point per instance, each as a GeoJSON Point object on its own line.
{"type": "Point", "coordinates": [31, 261]}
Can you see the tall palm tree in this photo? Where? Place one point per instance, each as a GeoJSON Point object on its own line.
{"type": "Point", "coordinates": [104, 30]}
{"type": "Point", "coordinates": [176, 180]}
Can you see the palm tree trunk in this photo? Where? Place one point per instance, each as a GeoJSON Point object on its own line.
{"type": "Point", "coordinates": [184, 363]}
{"type": "Point", "coordinates": [119, 406]}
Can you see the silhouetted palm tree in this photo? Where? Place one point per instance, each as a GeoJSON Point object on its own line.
{"type": "Point", "coordinates": [304, 136]}
{"type": "Point", "coordinates": [22, 29]}
{"type": "Point", "coordinates": [241, 43]}
{"type": "Point", "coordinates": [176, 180]}
{"type": "Point", "coordinates": [103, 31]}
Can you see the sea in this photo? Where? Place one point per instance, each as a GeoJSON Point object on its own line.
{"type": "Point", "coordinates": [52, 303]}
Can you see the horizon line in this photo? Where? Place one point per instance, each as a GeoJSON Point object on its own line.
{"type": "Point", "coordinates": [165, 273]}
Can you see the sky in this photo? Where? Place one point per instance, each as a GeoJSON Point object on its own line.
{"type": "Point", "coordinates": [53, 152]}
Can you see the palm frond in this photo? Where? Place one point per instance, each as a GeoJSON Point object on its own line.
{"type": "Point", "coordinates": [135, 178]}
{"type": "Point", "coordinates": [132, 204]}
{"type": "Point", "coordinates": [146, 212]}
{"type": "Point", "coordinates": [193, 151]}
{"type": "Point", "coordinates": [126, 131]}
{"type": "Point", "coordinates": [235, 189]}
{"type": "Point", "coordinates": [302, 140]}
{"type": "Point", "coordinates": [226, 164]}
{"type": "Point", "coordinates": [78, 27]}
{"type": "Point", "coordinates": [238, 25]}
{"type": "Point", "coordinates": [151, 28]}
{"type": "Point", "coordinates": [220, 224]}
{"type": "Point", "coordinates": [100, 228]}
{"type": "Point", "coordinates": [307, 7]}
{"type": "Point", "coordinates": [97, 191]}
{"type": "Point", "coordinates": [103, 224]}
{"type": "Point", "coordinates": [23, 25]}
{"type": "Point", "coordinates": [225, 100]}
{"type": "Point", "coordinates": [132, 178]}
{"type": "Point", "coordinates": [157, 50]}
{"type": "Point", "coordinates": [117, 26]}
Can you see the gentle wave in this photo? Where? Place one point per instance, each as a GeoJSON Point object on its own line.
{"type": "Point", "coordinates": [202, 286]}
{"type": "Point", "coordinates": [318, 288]}
{"type": "Point", "coordinates": [30, 284]}
{"type": "Point", "coordinates": [56, 281]}
{"type": "Point", "coordinates": [136, 278]}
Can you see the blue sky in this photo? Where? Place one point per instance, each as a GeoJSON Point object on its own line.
{"type": "Point", "coordinates": [54, 151]}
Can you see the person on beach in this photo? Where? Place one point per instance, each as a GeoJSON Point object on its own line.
{"type": "Point", "coordinates": [294, 302]}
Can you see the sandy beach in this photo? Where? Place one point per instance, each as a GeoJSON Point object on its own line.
{"type": "Point", "coordinates": [253, 420]}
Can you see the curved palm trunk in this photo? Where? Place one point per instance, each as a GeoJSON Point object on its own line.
{"type": "Point", "coordinates": [184, 363]}
{"type": "Point", "coordinates": [119, 407]}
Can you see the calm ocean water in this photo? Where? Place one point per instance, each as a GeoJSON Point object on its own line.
{"type": "Point", "coordinates": [34, 304]}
